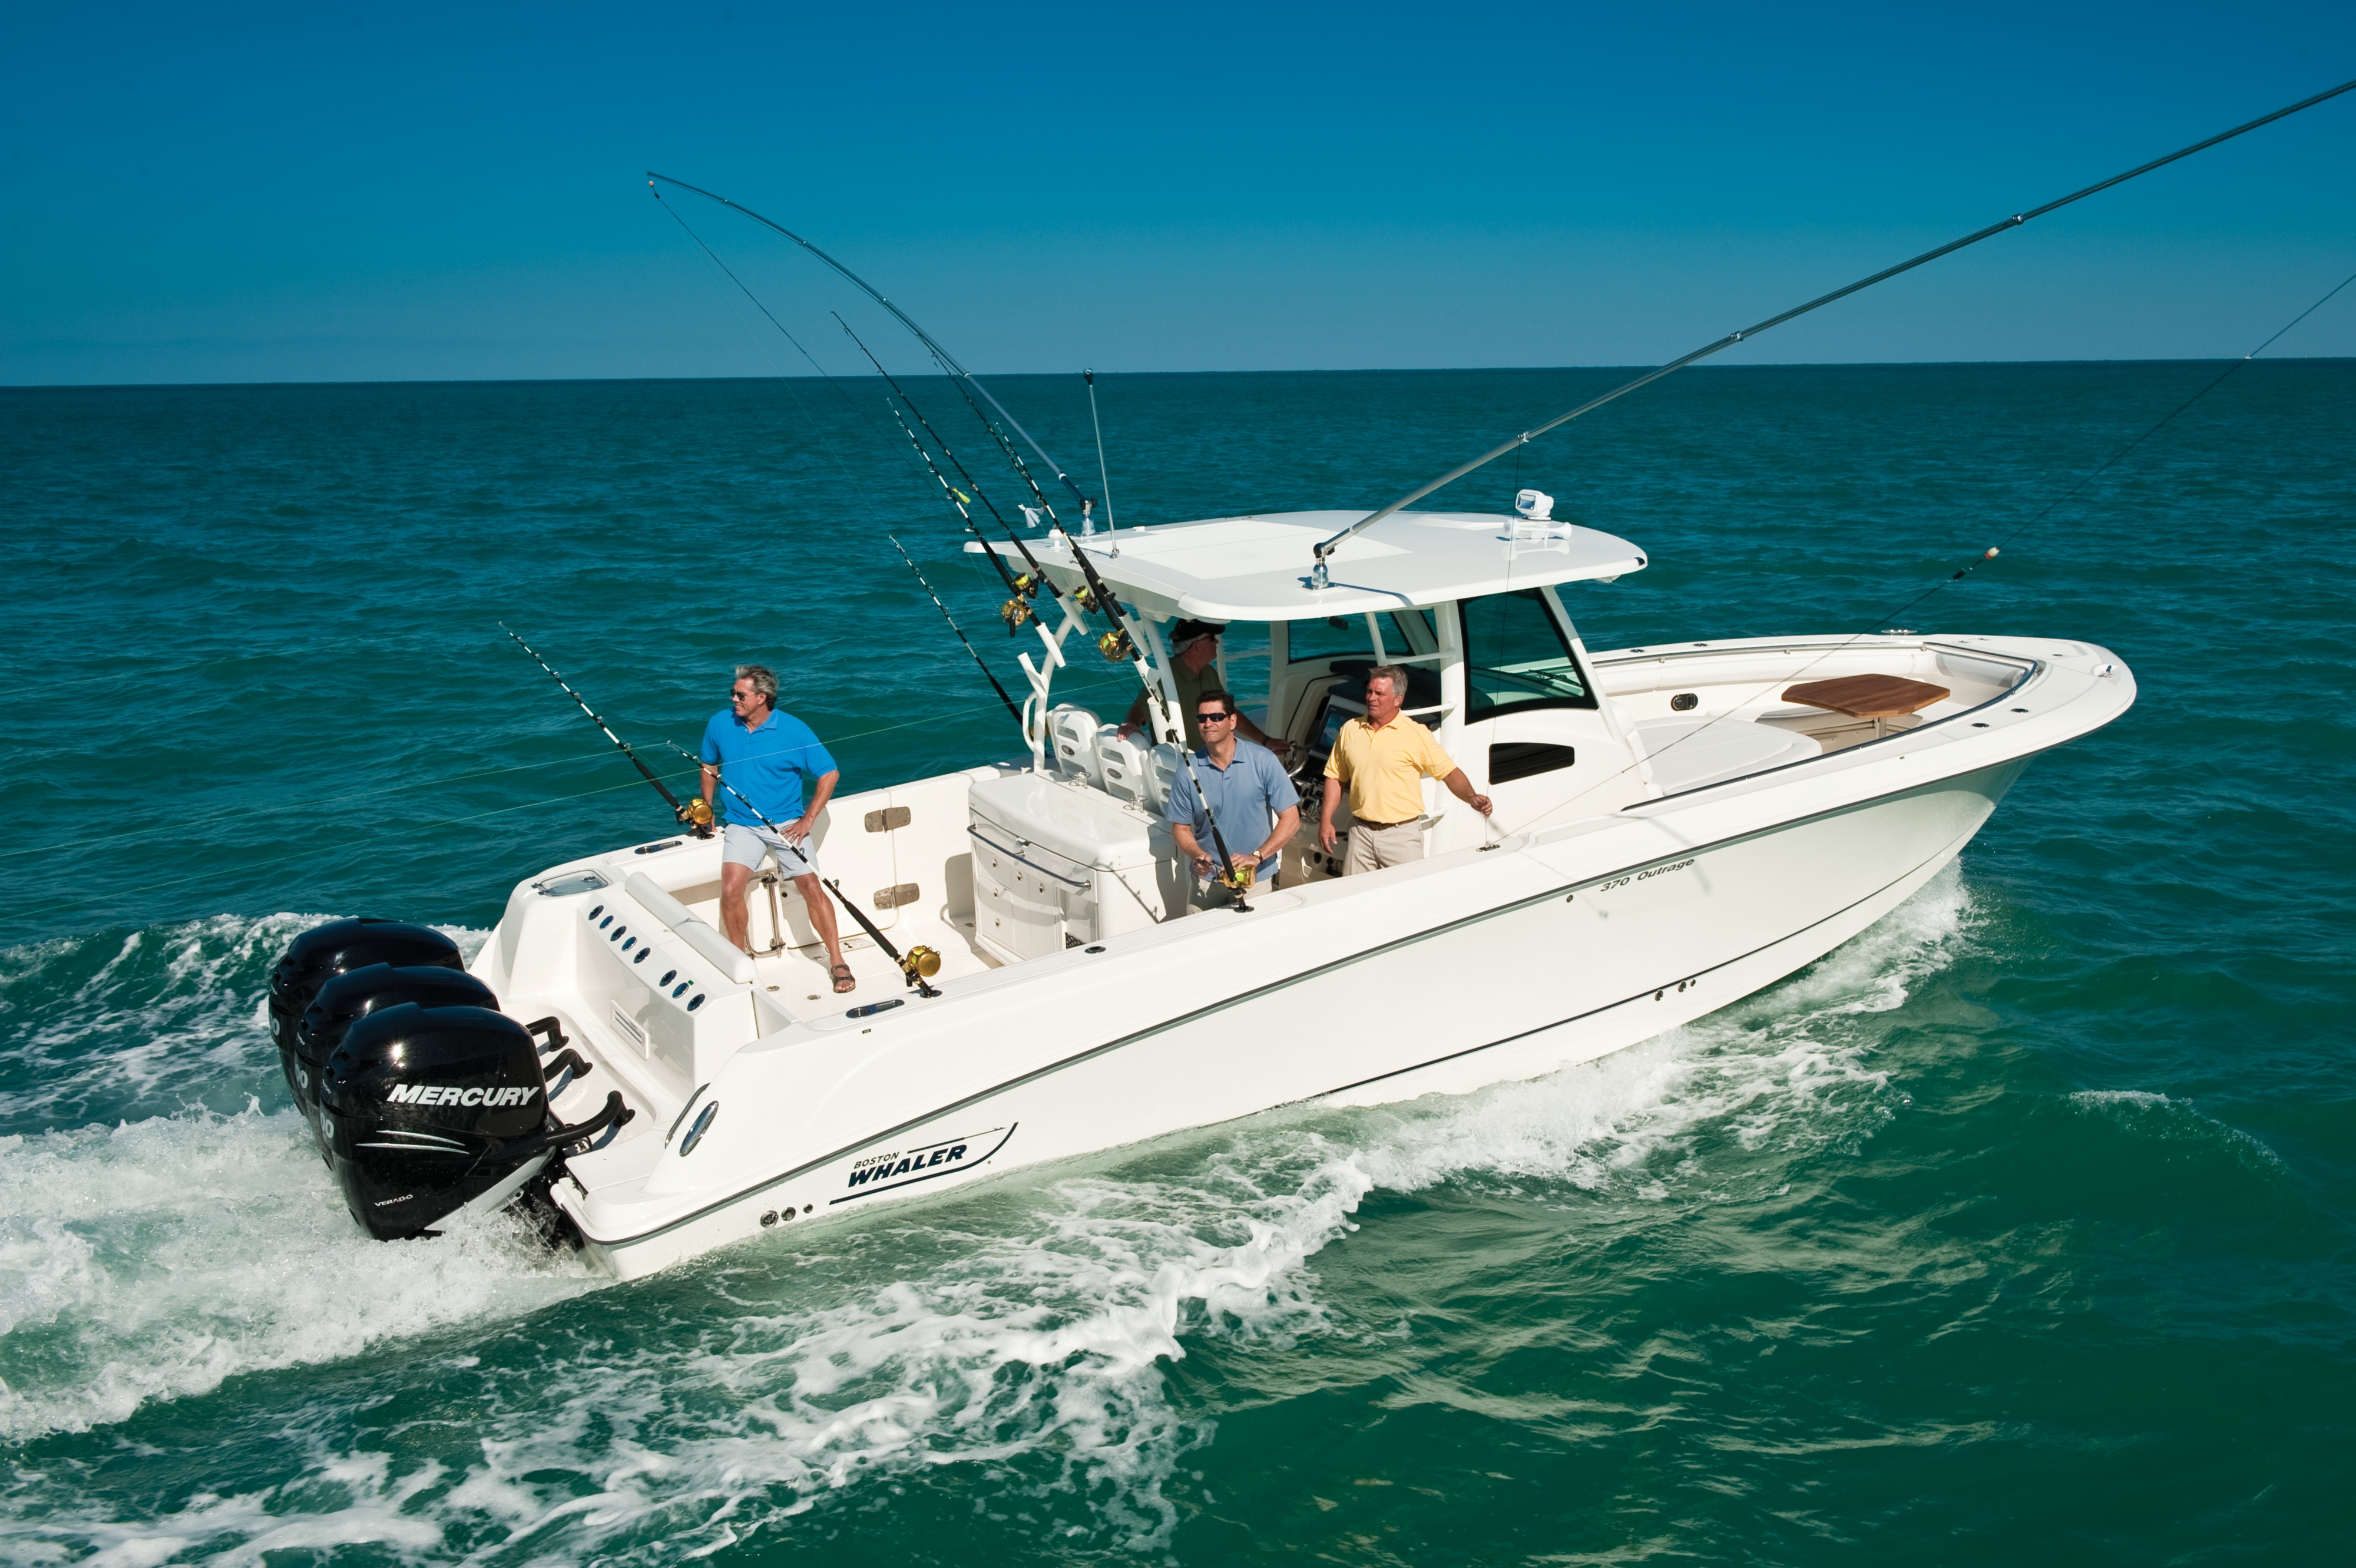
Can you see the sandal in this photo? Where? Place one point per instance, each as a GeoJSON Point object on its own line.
{"type": "Point", "coordinates": [844, 980]}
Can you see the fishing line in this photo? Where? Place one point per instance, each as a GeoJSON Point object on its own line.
{"type": "Point", "coordinates": [1103, 480]}
{"type": "Point", "coordinates": [1327, 547]}
{"type": "Point", "coordinates": [1981, 559]}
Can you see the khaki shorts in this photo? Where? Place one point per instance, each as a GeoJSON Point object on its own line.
{"type": "Point", "coordinates": [1373, 848]}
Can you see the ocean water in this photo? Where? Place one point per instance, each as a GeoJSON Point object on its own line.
{"type": "Point", "coordinates": [2018, 1229]}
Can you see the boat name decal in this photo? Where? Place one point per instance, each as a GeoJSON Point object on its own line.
{"type": "Point", "coordinates": [902, 1167]}
{"type": "Point", "coordinates": [1643, 875]}
{"type": "Point", "coordinates": [451, 1094]}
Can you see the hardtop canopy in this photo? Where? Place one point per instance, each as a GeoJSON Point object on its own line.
{"type": "Point", "coordinates": [1256, 567]}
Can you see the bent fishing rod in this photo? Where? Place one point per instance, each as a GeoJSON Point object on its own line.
{"type": "Point", "coordinates": [1318, 573]}
{"type": "Point", "coordinates": [948, 360]}
{"type": "Point", "coordinates": [992, 679]}
{"type": "Point", "coordinates": [1016, 609]}
{"type": "Point", "coordinates": [920, 964]}
{"type": "Point", "coordinates": [1025, 587]}
{"type": "Point", "coordinates": [697, 817]}
{"type": "Point", "coordinates": [1117, 644]}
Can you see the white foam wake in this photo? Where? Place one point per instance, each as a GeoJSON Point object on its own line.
{"type": "Point", "coordinates": [154, 1259]}
{"type": "Point", "coordinates": [1031, 1345]}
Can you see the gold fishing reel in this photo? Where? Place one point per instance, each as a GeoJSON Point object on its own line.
{"type": "Point", "coordinates": [920, 962]}
{"type": "Point", "coordinates": [1240, 876]}
{"type": "Point", "coordinates": [1017, 612]}
{"type": "Point", "coordinates": [1117, 647]}
{"type": "Point", "coordinates": [697, 814]}
{"type": "Point", "coordinates": [1086, 598]}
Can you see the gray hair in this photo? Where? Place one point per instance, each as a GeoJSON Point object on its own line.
{"type": "Point", "coordinates": [764, 680]}
{"type": "Point", "coordinates": [1395, 674]}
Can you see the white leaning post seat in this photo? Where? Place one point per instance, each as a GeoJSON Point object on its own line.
{"type": "Point", "coordinates": [1071, 734]}
{"type": "Point", "coordinates": [1162, 766]}
{"type": "Point", "coordinates": [1121, 764]}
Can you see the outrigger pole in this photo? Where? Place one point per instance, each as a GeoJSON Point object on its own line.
{"type": "Point", "coordinates": [697, 817]}
{"type": "Point", "coordinates": [995, 686]}
{"type": "Point", "coordinates": [1318, 573]}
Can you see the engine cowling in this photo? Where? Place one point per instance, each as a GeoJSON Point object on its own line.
{"type": "Point", "coordinates": [431, 1110]}
{"type": "Point", "coordinates": [352, 995]}
{"type": "Point", "coordinates": [321, 953]}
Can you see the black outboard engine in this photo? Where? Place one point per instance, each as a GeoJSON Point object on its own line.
{"type": "Point", "coordinates": [431, 1110]}
{"type": "Point", "coordinates": [352, 995]}
{"type": "Point", "coordinates": [321, 953]}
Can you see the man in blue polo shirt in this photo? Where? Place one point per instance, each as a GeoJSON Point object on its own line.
{"type": "Point", "coordinates": [766, 756]}
{"type": "Point", "coordinates": [1258, 808]}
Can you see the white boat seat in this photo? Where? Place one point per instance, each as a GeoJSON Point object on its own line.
{"type": "Point", "coordinates": [1162, 766]}
{"type": "Point", "coordinates": [1685, 754]}
{"type": "Point", "coordinates": [1121, 766]}
{"type": "Point", "coordinates": [1072, 735]}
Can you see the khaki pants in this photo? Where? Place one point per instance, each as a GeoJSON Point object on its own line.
{"type": "Point", "coordinates": [1373, 848]}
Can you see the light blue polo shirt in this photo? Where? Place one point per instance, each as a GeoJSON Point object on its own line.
{"type": "Point", "coordinates": [1249, 794]}
{"type": "Point", "coordinates": [764, 764]}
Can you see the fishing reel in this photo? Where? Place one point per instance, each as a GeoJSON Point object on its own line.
{"type": "Point", "coordinates": [1117, 647]}
{"type": "Point", "coordinates": [697, 816]}
{"type": "Point", "coordinates": [1018, 613]}
{"type": "Point", "coordinates": [1239, 876]}
{"type": "Point", "coordinates": [920, 963]}
{"type": "Point", "coordinates": [1086, 598]}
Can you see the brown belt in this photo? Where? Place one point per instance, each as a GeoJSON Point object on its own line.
{"type": "Point", "coordinates": [1385, 827]}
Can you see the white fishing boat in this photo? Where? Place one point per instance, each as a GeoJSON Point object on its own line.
{"type": "Point", "coordinates": [1675, 825]}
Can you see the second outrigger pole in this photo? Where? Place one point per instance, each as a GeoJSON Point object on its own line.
{"type": "Point", "coordinates": [697, 816]}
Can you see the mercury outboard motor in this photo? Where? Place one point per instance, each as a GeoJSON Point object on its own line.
{"type": "Point", "coordinates": [352, 995]}
{"type": "Point", "coordinates": [428, 1111]}
{"type": "Point", "coordinates": [321, 953]}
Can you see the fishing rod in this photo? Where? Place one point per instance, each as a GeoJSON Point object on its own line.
{"type": "Point", "coordinates": [946, 450]}
{"type": "Point", "coordinates": [1116, 644]}
{"type": "Point", "coordinates": [1026, 587]}
{"type": "Point", "coordinates": [697, 817]}
{"type": "Point", "coordinates": [1016, 609]}
{"type": "Point", "coordinates": [1318, 573]}
{"type": "Point", "coordinates": [995, 686]}
{"type": "Point", "coordinates": [948, 361]}
{"type": "Point", "coordinates": [920, 964]}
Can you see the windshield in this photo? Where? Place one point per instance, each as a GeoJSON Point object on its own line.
{"type": "Point", "coordinates": [1515, 656]}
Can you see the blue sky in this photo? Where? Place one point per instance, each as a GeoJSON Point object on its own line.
{"type": "Point", "coordinates": [340, 191]}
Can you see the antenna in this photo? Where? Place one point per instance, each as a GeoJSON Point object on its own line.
{"type": "Point", "coordinates": [1103, 479]}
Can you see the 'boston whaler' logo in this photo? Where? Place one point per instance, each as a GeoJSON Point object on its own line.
{"type": "Point", "coordinates": [451, 1094]}
{"type": "Point", "coordinates": [905, 1167]}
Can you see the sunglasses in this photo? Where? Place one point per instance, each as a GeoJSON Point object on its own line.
{"type": "Point", "coordinates": [1213, 718]}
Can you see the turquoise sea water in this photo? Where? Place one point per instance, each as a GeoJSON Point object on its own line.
{"type": "Point", "coordinates": [2019, 1230]}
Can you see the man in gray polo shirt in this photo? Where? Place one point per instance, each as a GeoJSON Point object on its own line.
{"type": "Point", "coordinates": [1258, 808]}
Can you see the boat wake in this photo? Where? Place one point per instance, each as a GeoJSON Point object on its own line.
{"type": "Point", "coordinates": [1018, 1347]}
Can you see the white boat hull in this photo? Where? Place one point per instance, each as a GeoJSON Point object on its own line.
{"type": "Point", "coordinates": [1560, 944]}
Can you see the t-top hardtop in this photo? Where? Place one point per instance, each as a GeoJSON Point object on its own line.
{"type": "Point", "coordinates": [1256, 567]}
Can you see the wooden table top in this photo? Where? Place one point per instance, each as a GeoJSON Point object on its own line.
{"type": "Point", "coordinates": [1868, 696]}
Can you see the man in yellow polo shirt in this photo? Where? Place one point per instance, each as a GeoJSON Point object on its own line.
{"type": "Point", "coordinates": [1384, 758]}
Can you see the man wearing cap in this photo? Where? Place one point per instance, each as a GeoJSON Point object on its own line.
{"type": "Point", "coordinates": [1384, 759]}
{"type": "Point", "coordinates": [1194, 650]}
{"type": "Point", "coordinates": [1256, 807]}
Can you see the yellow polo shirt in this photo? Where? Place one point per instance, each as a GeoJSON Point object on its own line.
{"type": "Point", "coordinates": [1382, 767]}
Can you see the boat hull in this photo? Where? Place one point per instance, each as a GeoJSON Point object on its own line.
{"type": "Point", "coordinates": [1473, 969]}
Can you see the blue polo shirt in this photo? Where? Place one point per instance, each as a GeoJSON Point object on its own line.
{"type": "Point", "coordinates": [764, 764]}
{"type": "Point", "coordinates": [1249, 794]}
